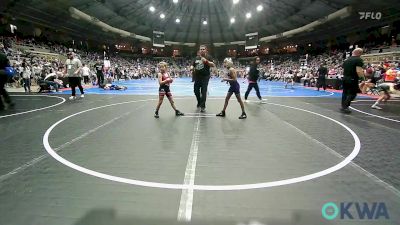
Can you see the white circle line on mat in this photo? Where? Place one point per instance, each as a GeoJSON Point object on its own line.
{"type": "Point", "coordinates": [346, 161]}
{"type": "Point", "coordinates": [374, 115]}
{"type": "Point", "coordinates": [132, 92]}
{"type": "Point", "coordinates": [301, 96]}
{"type": "Point", "coordinates": [34, 110]}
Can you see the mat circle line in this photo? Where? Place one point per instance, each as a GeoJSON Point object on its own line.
{"type": "Point", "coordinates": [34, 110]}
{"type": "Point", "coordinates": [346, 161]}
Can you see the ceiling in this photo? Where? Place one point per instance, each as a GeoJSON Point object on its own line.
{"type": "Point", "coordinates": [134, 16]}
{"type": "Point", "coordinates": [277, 16]}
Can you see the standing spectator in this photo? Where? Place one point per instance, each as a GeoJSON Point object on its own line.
{"type": "Point", "coordinates": [118, 73]}
{"type": "Point", "coordinates": [254, 74]}
{"type": "Point", "coordinates": [73, 69]}
{"type": "Point", "coordinates": [26, 76]}
{"type": "Point", "coordinates": [85, 74]}
{"type": "Point", "coordinates": [17, 77]}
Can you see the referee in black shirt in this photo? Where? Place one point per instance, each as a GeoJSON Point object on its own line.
{"type": "Point", "coordinates": [321, 81]}
{"type": "Point", "coordinates": [99, 73]}
{"type": "Point", "coordinates": [201, 75]}
{"type": "Point", "coordinates": [352, 71]}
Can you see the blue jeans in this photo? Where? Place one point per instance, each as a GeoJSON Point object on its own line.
{"type": "Point", "coordinates": [54, 84]}
{"type": "Point", "coordinates": [27, 84]}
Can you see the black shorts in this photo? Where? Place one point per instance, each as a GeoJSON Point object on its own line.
{"type": "Point", "coordinates": [164, 90]}
{"type": "Point", "coordinates": [234, 88]}
{"type": "Point", "coordinates": [351, 87]}
{"type": "Point", "coordinates": [74, 81]}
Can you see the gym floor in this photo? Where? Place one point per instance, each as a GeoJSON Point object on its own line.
{"type": "Point", "coordinates": [105, 159]}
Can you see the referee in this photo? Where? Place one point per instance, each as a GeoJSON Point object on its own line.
{"type": "Point", "coordinates": [352, 72]}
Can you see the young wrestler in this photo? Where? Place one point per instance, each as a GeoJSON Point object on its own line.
{"type": "Point", "coordinates": [234, 88]}
{"type": "Point", "coordinates": [384, 90]}
{"type": "Point", "coordinates": [165, 81]}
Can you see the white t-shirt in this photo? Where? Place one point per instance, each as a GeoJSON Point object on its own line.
{"type": "Point", "coordinates": [85, 71]}
{"type": "Point", "coordinates": [26, 73]}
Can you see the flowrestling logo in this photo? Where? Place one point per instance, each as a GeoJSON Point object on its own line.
{"type": "Point", "coordinates": [370, 15]}
{"type": "Point", "coordinates": [355, 210]}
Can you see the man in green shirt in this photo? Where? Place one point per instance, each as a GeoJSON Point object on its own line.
{"type": "Point", "coordinates": [352, 71]}
{"type": "Point", "coordinates": [73, 70]}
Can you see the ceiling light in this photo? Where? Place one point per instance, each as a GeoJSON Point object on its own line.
{"type": "Point", "coordinates": [205, 22]}
{"type": "Point", "coordinates": [162, 16]}
{"type": "Point", "coordinates": [259, 8]}
{"type": "Point", "coordinates": [177, 20]}
{"type": "Point", "coordinates": [232, 20]}
{"type": "Point", "coordinates": [235, 1]}
{"type": "Point", "coordinates": [152, 9]}
{"type": "Point", "coordinates": [175, 1]}
{"type": "Point", "coordinates": [248, 15]}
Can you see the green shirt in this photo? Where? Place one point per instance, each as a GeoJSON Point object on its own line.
{"type": "Point", "coordinates": [72, 66]}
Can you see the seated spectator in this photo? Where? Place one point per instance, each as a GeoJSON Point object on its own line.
{"type": "Point", "coordinates": [391, 73]}
{"type": "Point", "coordinates": [50, 80]}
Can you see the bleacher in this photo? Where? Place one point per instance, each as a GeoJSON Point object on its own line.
{"type": "Point", "coordinates": [385, 49]}
{"type": "Point", "coordinates": [377, 58]}
{"type": "Point", "coordinates": [31, 48]}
